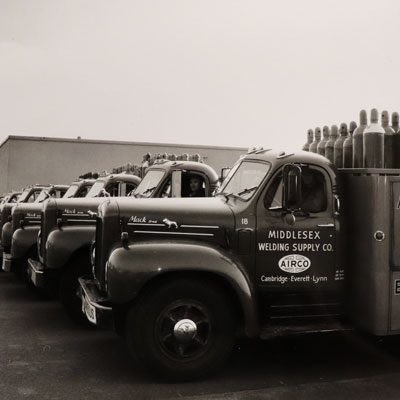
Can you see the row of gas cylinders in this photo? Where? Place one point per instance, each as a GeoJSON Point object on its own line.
{"type": "Point", "coordinates": [373, 145]}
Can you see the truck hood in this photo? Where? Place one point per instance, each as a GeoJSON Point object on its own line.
{"type": "Point", "coordinates": [79, 206]}
{"type": "Point", "coordinates": [29, 212]}
{"type": "Point", "coordinates": [177, 213]}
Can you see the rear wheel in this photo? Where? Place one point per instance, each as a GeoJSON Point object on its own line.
{"type": "Point", "coordinates": [69, 290]}
{"type": "Point", "coordinates": [183, 329]}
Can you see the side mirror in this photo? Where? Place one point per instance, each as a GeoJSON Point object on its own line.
{"type": "Point", "coordinates": [224, 173]}
{"type": "Point", "coordinates": [177, 184]}
{"type": "Point", "coordinates": [291, 187]}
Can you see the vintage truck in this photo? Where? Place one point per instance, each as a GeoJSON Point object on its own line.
{"type": "Point", "coordinates": [68, 228]}
{"type": "Point", "coordinates": [289, 244]}
{"type": "Point", "coordinates": [28, 195]}
{"type": "Point", "coordinates": [11, 197]}
{"type": "Point", "coordinates": [55, 191]}
{"type": "Point", "coordinates": [25, 225]}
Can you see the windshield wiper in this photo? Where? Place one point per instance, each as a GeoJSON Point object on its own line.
{"type": "Point", "coordinates": [227, 195]}
{"type": "Point", "coordinates": [149, 189]}
{"type": "Point", "coordinates": [247, 190]}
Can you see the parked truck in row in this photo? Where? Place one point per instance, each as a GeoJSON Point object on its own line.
{"type": "Point", "coordinates": [28, 195]}
{"type": "Point", "coordinates": [25, 225]}
{"type": "Point", "coordinates": [68, 226]}
{"type": "Point", "coordinates": [289, 244]}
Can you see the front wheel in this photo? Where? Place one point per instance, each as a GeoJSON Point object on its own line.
{"type": "Point", "coordinates": [183, 329]}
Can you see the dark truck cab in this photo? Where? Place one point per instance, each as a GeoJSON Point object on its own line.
{"type": "Point", "coordinates": [9, 262]}
{"type": "Point", "coordinates": [26, 219]}
{"type": "Point", "coordinates": [10, 198]}
{"type": "Point", "coordinates": [28, 195]}
{"type": "Point", "coordinates": [182, 279]}
{"type": "Point", "coordinates": [68, 228]}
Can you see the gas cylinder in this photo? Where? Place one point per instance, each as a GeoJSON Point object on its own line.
{"type": "Point", "coordinates": [396, 139]}
{"type": "Point", "coordinates": [338, 148]}
{"type": "Point", "coordinates": [322, 143]}
{"type": "Point", "coordinates": [330, 144]}
{"type": "Point", "coordinates": [348, 147]}
{"type": "Point", "coordinates": [310, 138]}
{"type": "Point", "coordinates": [388, 140]}
{"type": "Point", "coordinates": [358, 144]}
{"type": "Point", "coordinates": [317, 139]}
{"type": "Point", "coordinates": [395, 122]}
{"type": "Point", "coordinates": [374, 142]}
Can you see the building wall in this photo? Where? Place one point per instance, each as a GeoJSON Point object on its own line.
{"type": "Point", "coordinates": [46, 160]}
{"type": "Point", "coordinates": [4, 155]}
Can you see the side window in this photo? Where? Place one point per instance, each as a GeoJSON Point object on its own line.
{"type": "Point", "coordinates": [32, 197]}
{"type": "Point", "coordinates": [167, 189]}
{"type": "Point", "coordinates": [130, 187]}
{"type": "Point", "coordinates": [113, 189]}
{"type": "Point", "coordinates": [60, 193]}
{"type": "Point", "coordinates": [57, 194]}
{"type": "Point", "coordinates": [193, 185]}
{"type": "Point", "coordinates": [313, 186]}
{"type": "Point", "coordinates": [83, 191]}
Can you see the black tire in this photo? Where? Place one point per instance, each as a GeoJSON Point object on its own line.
{"type": "Point", "coordinates": [68, 291]}
{"type": "Point", "coordinates": [151, 336]}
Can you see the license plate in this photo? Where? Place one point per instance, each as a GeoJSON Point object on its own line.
{"type": "Point", "coordinates": [88, 309]}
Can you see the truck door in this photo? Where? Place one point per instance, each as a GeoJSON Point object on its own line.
{"type": "Point", "coordinates": [296, 250]}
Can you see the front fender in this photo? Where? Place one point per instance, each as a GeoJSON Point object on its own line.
{"type": "Point", "coordinates": [22, 241]}
{"type": "Point", "coordinates": [6, 235]}
{"type": "Point", "coordinates": [63, 243]}
{"type": "Point", "coordinates": [129, 269]}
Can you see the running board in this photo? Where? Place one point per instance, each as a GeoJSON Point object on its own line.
{"type": "Point", "coordinates": [274, 329]}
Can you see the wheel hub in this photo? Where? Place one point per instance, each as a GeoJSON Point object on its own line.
{"type": "Point", "coordinates": [185, 330]}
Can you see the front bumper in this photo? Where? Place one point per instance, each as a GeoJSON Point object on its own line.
{"type": "Point", "coordinates": [94, 305]}
{"type": "Point", "coordinates": [37, 274]}
{"type": "Point", "coordinates": [7, 264]}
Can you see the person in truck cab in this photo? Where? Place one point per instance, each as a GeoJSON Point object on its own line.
{"type": "Point", "coordinates": [196, 187]}
{"type": "Point", "coordinates": [313, 191]}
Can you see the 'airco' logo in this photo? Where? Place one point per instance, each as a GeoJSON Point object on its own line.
{"type": "Point", "coordinates": [294, 263]}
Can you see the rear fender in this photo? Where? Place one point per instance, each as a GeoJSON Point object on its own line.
{"type": "Point", "coordinates": [131, 268]}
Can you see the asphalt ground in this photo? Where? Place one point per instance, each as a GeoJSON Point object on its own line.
{"type": "Point", "coordinates": [44, 355]}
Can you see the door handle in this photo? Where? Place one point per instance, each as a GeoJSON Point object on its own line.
{"type": "Point", "coordinates": [326, 225]}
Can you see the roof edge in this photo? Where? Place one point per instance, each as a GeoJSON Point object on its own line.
{"type": "Point", "coordinates": [118, 142]}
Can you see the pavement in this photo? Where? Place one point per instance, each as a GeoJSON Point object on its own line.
{"type": "Point", "coordinates": [44, 355]}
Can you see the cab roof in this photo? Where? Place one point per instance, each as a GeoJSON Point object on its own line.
{"type": "Point", "coordinates": [277, 158]}
{"type": "Point", "coordinates": [189, 165]}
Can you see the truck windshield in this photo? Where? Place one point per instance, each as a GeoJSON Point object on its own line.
{"type": "Point", "coordinates": [71, 191]}
{"type": "Point", "coordinates": [96, 189]}
{"type": "Point", "coordinates": [149, 183]}
{"type": "Point", "coordinates": [44, 194]}
{"type": "Point", "coordinates": [24, 195]}
{"type": "Point", "coordinates": [243, 180]}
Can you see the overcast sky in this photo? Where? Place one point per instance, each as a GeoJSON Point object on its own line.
{"type": "Point", "coordinates": [220, 72]}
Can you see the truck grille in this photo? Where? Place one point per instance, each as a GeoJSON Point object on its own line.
{"type": "Point", "coordinates": [41, 242]}
{"type": "Point", "coordinates": [98, 265]}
